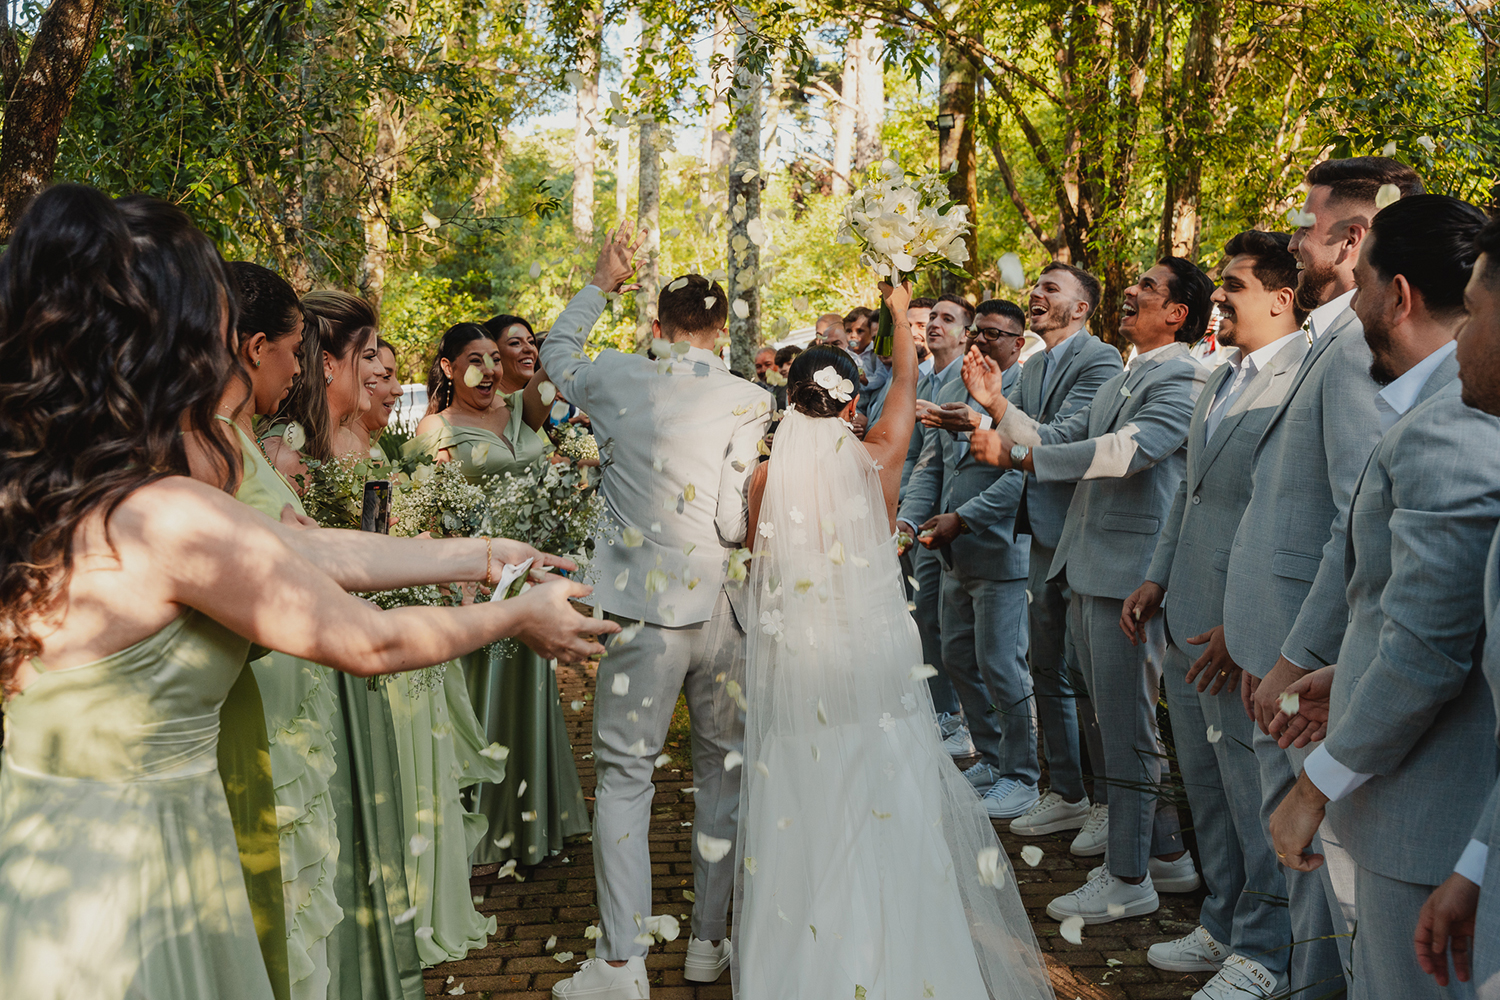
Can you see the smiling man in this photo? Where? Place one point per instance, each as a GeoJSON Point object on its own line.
{"type": "Point", "coordinates": [1125, 450]}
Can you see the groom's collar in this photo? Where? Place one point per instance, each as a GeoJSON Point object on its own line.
{"type": "Point", "coordinates": [702, 355]}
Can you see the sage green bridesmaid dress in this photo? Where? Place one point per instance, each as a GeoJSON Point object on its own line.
{"type": "Point", "coordinates": [513, 690]}
{"type": "Point", "coordinates": [119, 874]}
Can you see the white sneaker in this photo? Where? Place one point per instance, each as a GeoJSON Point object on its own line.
{"type": "Point", "coordinates": [1197, 952]}
{"type": "Point", "coordinates": [1169, 876]}
{"type": "Point", "coordinates": [959, 743]}
{"type": "Point", "coordinates": [1104, 899]}
{"type": "Point", "coordinates": [705, 962]}
{"type": "Point", "coordinates": [1240, 978]}
{"type": "Point", "coordinates": [981, 776]}
{"type": "Point", "coordinates": [1009, 798]}
{"type": "Point", "coordinates": [598, 980]}
{"type": "Point", "coordinates": [1094, 837]}
{"type": "Point", "coordinates": [1051, 814]}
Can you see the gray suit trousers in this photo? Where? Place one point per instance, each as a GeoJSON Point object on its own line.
{"type": "Point", "coordinates": [1385, 960]}
{"type": "Point", "coordinates": [1124, 681]}
{"type": "Point", "coordinates": [1246, 907]}
{"type": "Point", "coordinates": [927, 570]}
{"type": "Point", "coordinates": [1320, 945]}
{"type": "Point", "coordinates": [984, 652]}
{"type": "Point", "coordinates": [1051, 675]}
{"type": "Point", "coordinates": [660, 662]}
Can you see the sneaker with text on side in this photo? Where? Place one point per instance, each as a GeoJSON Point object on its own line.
{"type": "Point", "coordinates": [1105, 898]}
{"type": "Point", "coordinates": [959, 743]}
{"type": "Point", "coordinates": [596, 979]}
{"type": "Point", "coordinates": [1170, 876]}
{"type": "Point", "coordinates": [1051, 814]}
{"type": "Point", "coordinates": [705, 961]}
{"type": "Point", "coordinates": [981, 776]}
{"type": "Point", "coordinates": [1196, 952]}
{"type": "Point", "coordinates": [1009, 798]}
{"type": "Point", "coordinates": [1094, 837]}
{"type": "Point", "coordinates": [1240, 978]}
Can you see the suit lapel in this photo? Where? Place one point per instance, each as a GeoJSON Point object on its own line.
{"type": "Point", "coordinates": [1313, 354]}
{"type": "Point", "coordinates": [1103, 420]}
{"type": "Point", "coordinates": [1064, 363]}
{"type": "Point", "coordinates": [1198, 455]}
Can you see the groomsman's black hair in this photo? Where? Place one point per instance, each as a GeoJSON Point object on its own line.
{"type": "Point", "coordinates": [921, 303]}
{"type": "Point", "coordinates": [1360, 178]}
{"type": "Point", "coordinates": [1003, 308]}
{"type": "Point", "coordinates": [692, 304]}
{"type": "Point", "coordinates": [1275, 266]}
{"type": "Point", "coordinates": [1092, 290]}
{"type": "Point", "coordinates": [1429, 239]}
{"type": "Point", "coordinates": [1488, 243]}
{"type": "Point", "coordinates": [1189, 286]}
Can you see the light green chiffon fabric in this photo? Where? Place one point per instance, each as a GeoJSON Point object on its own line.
{"type": "Point", "coordinates": [514, 690]}
{"type": "Point", "coordinates": [119, 874]}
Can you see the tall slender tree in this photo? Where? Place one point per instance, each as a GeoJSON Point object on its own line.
{"type": "Point", "coordinates": [745, 225]}
{"type": "Point", "coordinates": [586, 120]}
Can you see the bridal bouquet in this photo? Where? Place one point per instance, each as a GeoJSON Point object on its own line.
{"type": "Point", "coordinates": [904, 224]}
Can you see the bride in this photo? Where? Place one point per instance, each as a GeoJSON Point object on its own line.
{"type": "Point", "coordinates": [865, 865]}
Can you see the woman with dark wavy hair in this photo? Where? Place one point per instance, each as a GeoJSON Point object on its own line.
{"type": "Point", "coordinates": [130, 595]}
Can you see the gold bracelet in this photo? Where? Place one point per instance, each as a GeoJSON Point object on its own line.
{"type": "Point", "coordinates": [488, 544]}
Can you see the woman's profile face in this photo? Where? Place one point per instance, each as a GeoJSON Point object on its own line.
{"type": "Point", "coordinates": [347, 395]}
{"type": "Point", "coordinates": [278, 366]}
{"type": "Point", "coordinates": [473, 355]}
{"type": "Point", "coordinates": [518, 353]}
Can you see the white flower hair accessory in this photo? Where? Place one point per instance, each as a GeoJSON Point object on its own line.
{"type": "Point", "coordinates": [835, 384]}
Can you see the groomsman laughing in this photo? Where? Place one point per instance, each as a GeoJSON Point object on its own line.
{"type": "Point", "coordinates": [1284, 604]}
{"type": "Point", "coordinates": [1243, 934]}
{"type": "Point", "coordinates": [1126, 452]}
{"type": "Point", "coordinates": [1406, 702]}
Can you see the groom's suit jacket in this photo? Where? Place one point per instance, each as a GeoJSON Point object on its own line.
{"type": "Point", "coordinates": [1084, 364]}
{"type": "Point", "coordinates": [947, 479]}
{"type": "Point", "coordinates": [1125, 452]}
{"type": "Point", "coordinates": [665, 429]}
{"type": "Point", "coordinates": [1408, 705]}
{"type": "Point", "coordinates": [1193, 553]}
{"type": "Point", "coordinates": [1284, 592]}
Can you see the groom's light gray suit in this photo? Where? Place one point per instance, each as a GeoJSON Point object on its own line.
{"type": "Point", "coordinates": [1125, 450]}
{"type": "Point", "coordinates": [1243, 909]}
{"type": "Point", "coordinates": [1050, 390]}
{"type": "Point", "coordinates": [679, 444]}
{"type": "Point", "coordinates": [983, 589]}
{"type": "Point", "coordinates": [1408, 707]}
{"type": "Point", "coordinates": [1284, 589]}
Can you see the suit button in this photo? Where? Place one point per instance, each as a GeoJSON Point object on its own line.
{"type": "Point", "coordinates": [1197, 499]}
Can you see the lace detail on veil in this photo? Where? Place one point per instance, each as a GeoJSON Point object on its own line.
{"type": "Point", "coordinates": [859, 846]}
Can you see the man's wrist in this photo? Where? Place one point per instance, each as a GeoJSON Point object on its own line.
{"type": "Point", "coordinates": [1311, 794]}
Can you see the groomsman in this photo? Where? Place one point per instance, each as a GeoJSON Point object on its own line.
{"type": "Point", "coordinates": [965, 510]}
{"type": "Point", "coordinates": [1243, 922]}
{"type": "Point", "coordinates": [1284, 604]}
{"type": "Point", "coordinates": [1126, 452]}
{"type": "Point", "coordinates": [1054, 385]}
{"type": "Point", "coordinates": [679, 439]}
{"type": "Point", "coordinates": [1459, 920]}
{"type": "Point", "coordinates": [1406, 703]}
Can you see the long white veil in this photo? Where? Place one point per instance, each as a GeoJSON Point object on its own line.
{"type": "Point", "coordinates": [858, 864]}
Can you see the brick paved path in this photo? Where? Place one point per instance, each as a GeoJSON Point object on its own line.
{"type": "Point", "coordinates": [557, 898]}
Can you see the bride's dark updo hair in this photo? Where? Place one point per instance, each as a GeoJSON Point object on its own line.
{"type": "Point", "coordinates": [810, 397]}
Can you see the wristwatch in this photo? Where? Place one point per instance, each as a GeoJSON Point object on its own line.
{"type": "Point", "coordinates": [963, 526]}
{"type": "Point", "coordinates": [1018, 453]}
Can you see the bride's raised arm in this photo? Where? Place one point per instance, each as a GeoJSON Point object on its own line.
{"type": "Point", "coordinates": [888, 439]}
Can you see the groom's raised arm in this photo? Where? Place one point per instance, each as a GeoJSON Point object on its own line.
{"type": "Point", "coordinates": [562, 349]}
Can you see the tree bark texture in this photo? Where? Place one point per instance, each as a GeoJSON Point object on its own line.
{"type": "Point", "coordinates": [844, 114]}
{"type": "Point", "coordinates": [744, 208]}
{"type": "Point", "coordinates": [870, 106]}
{"type": "Point", "coordinates": [586, 124]}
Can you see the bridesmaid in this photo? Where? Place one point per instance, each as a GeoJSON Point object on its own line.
{"type": "Point", "coordinates": [130, 594]}
{"type": "Point", "coordinates": [372, 952]}
{"type": "Point", "coordinates": [487, 430]}
{"type": "Point", "coordinates": [438, 748]}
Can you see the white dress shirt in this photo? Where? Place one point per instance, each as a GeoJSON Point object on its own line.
{"type": "Point", "coordinates": [1332, 778]}
{"type": "Point", "coordinates": [1322, 317]}
{"type": "Point", "coordinates": [1245, 367]}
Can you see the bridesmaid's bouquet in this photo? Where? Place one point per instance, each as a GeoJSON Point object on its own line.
{"type": "Point", "coordinates": [555, 506]}
{"type": "Point", "coordinates": [904, 223]}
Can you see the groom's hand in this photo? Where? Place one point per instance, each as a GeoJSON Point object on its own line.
{"type": "Point", "coordinates": [616, 263]}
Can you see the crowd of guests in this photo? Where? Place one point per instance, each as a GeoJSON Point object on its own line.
{"type": "Point", "coordinates": [1292, 543]}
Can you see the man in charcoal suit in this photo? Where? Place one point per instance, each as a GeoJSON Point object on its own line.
{"type": "Point", "coordinates": [1406, 703]}
{"type": "Point", "coordinates": [1126, 452]}
{"type": "Point", "coordinates": [1243, 934]}
{"type": "Point", "coordinates": [1284, 603]}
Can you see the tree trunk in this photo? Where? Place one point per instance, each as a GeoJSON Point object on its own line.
{"type": "Point", "coordinates": [622, 130]}
{"type": "Point", "coordinates": [957, 79]}
{"type": "Point", "coordinates": [40, 101]}
{"type": "Point", "coordinates": [744, 202]}
{"type": "Point", "coordinates": [648, 213]}
{"type": "Point", "coordinates": [870, 113]}
{"type": "Point", "coordinates": [381, 175]}
{"type": "Point", "coordinates": [586, 124]}
{"type": "Point", "coordinates": [844, 120]}
{"type": "Point", "coordinates": [721, 76]}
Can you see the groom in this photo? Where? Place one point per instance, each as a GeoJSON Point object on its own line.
{"type": "Point", "coordinates": [678, 437]}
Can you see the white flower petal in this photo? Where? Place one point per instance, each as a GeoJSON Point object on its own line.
{"type": "Point", "coordinates": [1032, 855]}
{"type": "Point", "coordinates": [1215, 735]}
{"type": "Point", "coordinates": [473, 376]}
{"type": "Point", "coordinates": [1289, 702]}
{"type": "Point", "coordinates": [713, 849]}
{"type": "Point", "coordinates": [733, 759]}
{"type": "Point", "coordinates": [1072, 930]}
{"type": "Point", "coordinates": [621, 684]}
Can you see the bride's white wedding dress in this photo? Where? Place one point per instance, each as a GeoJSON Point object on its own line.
{"type": "Point", "coordinates": [859, 854]}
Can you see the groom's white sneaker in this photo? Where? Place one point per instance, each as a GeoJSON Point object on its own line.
{"type": "Point", "coordinates": [705, 962]}
{"type": "Point", "coordinates": [598, 980]}
{"type": "Point", "coordinates": [1105, 898]}
{"type": "Point", "coordinates": [1009, 798]}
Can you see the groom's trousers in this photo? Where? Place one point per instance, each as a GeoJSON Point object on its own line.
{"type": "Point", "coordinates": [659, 662]}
